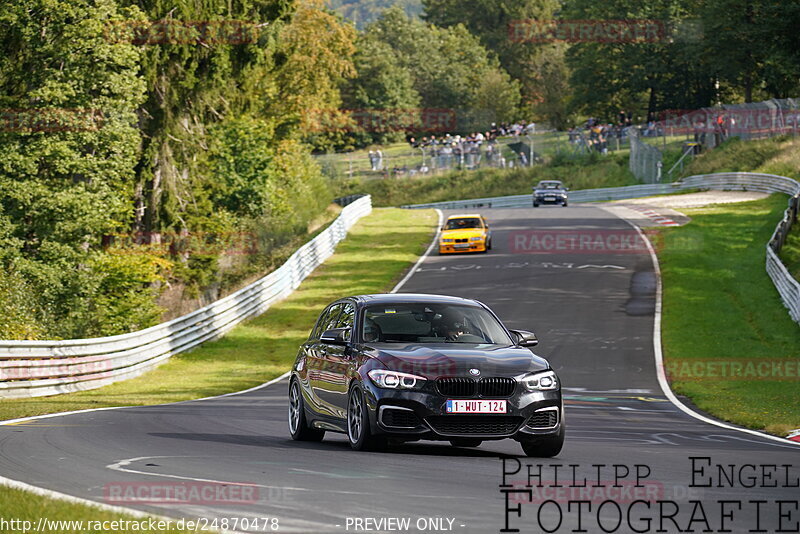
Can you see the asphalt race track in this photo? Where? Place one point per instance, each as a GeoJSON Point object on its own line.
{"type": "Point", "coordinates": [593, 313]}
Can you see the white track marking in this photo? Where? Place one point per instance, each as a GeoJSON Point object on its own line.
{"type": "Point", "coordinates": [659, 355]}
{"type": "Point", "coordinates": [413, 269]}
{"type": "Point", "coordinates": [122, 466]}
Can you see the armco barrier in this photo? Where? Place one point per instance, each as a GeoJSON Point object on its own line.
{"type": "Point", "coordinates": [787, 286]}
{"type": "Point", "coordinates": [36, 368]}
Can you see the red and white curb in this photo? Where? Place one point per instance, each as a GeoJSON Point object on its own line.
{"type": "Point", "coordinates": [794, 435]}
{"type": "Point", "coordinates": [652, 215]}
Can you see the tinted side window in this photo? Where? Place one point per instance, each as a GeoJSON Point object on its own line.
{"type": "Point", "coordinates": [330, 319]}
{"type": "Point", "coordinates": [324, 320]}
{"type": "Point", "coordinates": [347, 316]}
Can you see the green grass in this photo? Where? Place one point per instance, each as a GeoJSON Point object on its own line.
{"type": "Point", "coordinates": [720, 305]}
{"type": "Point", "coordinates": [25, 506]}
{"type": "Point", "coordinates": [264, 347]}
{"type": "Point", "coordinates": [579, 173]}
{"type": "Point", "coordinates": [778, 155]}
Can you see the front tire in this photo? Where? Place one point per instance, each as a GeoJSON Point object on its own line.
{"type": "Point", "coordinates": [544, 447]}
{"type": "Point", "coordinates": [535, 204]}
{"type": "Point", "coordinates": [298, 425]}
{"type": "Point", "coordinates": [359, 433]}
{"type": "Point", "coordinates": [565, 204]}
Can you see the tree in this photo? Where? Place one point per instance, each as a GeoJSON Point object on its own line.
{"type": "Point", "coordinates": [644, 76]}
{"type": "Point", "coordinates": [69, 147]}
{"type": "Point", "coordinates": [448, 65]}
{"type": "Point", "coordinates": [539, 67]}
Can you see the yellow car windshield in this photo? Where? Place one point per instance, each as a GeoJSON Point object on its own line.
{"type": "Point", "coordinates": [463, 223]}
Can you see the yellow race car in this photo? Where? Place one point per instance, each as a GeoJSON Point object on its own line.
{"type": "Point", "coordinates": [465, 233]}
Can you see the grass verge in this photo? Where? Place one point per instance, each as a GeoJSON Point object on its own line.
{"type": "Point", "coordinates": [25, 510]}
{"type": "Point", "coordinates": [721, 310]}
{"type": "Point", "coordinates": [582, 172]}
{"type": "Point", "coordinates": [373, 257]}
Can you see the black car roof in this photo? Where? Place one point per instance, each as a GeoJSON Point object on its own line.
{"type": "Point", "coordinates": [412, 298]}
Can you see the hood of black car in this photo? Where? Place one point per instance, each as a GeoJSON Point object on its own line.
{"type": "Point", "coordinates": [550, 191]}
{"type": "Point", "coordinates": [458, 359]}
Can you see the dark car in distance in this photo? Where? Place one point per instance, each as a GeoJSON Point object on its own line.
{"type": "Point", "coordinates": [550, 192]}
{"type": "Point", "coordinates": [412, 367]}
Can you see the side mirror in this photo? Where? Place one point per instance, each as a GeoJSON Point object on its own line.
{"type": "Point", "coordinates": [525, 338]}
{"type": "Point", "coordinates": [335, 336]}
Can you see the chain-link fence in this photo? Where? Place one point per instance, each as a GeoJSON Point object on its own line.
{"type": "Point", "coordinates": [714, 125]}
{"type": "Point", "coordinates": [452, 153]}
{"type": "Point", "coordinates": [645, 160]}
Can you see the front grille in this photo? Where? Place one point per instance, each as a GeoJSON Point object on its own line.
{"type": "Point", "coordinates": [456, 387]}
{"type": "Point", "coordinates": [499, 425]}
{"type": "Point", "coordinates": [467, 387]}
{"type": "Point", "coordinates": [461, 240]}
{"type": "Point", "coordinates": [545, 419]}
{"type": "Point", "coordinates": [496, 387]}
{"type": "Point", "coordinates": [399, 418]}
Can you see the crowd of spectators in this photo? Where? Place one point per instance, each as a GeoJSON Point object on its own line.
{"type": "Point", "coordinates": [601, 136]}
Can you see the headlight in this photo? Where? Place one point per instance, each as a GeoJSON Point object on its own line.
{"type": "Point", "coordinates": [395, 380]}
{"type": "Point", "coordinates": [475, 238]}
{"type": "Point", "coordinates": [545, 381]}
{"type": "Point", "coordinates": [447, 240]}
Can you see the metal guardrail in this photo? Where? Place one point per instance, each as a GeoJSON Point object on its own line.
{"type": "Point", "coordinates": [37, 368]}
{"type": "Point", "coordinates": [787, 286]}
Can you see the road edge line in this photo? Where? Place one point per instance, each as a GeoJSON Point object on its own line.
{"type": "Point", "coordinates": [425, 254]}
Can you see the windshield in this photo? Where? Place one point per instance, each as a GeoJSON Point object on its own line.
{"type": "Point", "coordinates": [549, 185]}
{"type": "Point", "coordinates": [431, 323]}
{"type": "Point", "coordinates": [462, 223]}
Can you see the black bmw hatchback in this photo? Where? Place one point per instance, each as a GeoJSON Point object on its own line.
{"type": "Point", "coordinates": [413, 367]}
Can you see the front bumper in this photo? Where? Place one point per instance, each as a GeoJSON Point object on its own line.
{"type": "Point", "coordinates": [421, 414]}
{"type": "Point", "coordinates": [558, 199]}
{"type": "Point", "coordinates": [453, 248]}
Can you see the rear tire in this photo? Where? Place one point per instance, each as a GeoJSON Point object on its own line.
{"type": "Point", "coordinates": [359, 433]}
{"type": "Point", "coordinates": [544, 447]}
{"type": "Point", "coordinates": [466, 442]}
{"type": "Point", "coordinates": [298, 425]}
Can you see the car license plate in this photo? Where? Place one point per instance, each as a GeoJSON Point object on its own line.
{"type": "Point", "coordinates": [476, 406]}
{"type": "Point", "coordinates": [462, 245]}
{"type": "Point", "coordinates": [550, 199]}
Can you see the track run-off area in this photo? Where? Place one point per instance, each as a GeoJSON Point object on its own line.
{"type": "Point", "coordinates": [633, 461]}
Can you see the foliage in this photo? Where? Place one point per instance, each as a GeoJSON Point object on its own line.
{"type": "Point", "coordinates": [450, 69]}
{"type": "Point", "coordinates": [383, 83]}
{"type": "Point", "coordinates": [538, 67]}
{"type": "Point", "coordinates": [115, 137]}
{"type": "Point", "coordinates": [65, 183]}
